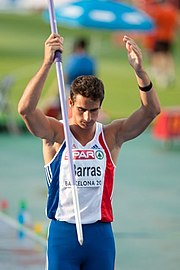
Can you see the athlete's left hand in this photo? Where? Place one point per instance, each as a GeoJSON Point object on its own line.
{"type": "Point", "coordinates": [134, 53]}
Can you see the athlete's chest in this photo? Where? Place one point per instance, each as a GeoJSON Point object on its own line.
{"type": "Point", "coordinates": [89, 165]}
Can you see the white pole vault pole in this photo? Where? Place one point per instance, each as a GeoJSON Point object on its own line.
{"type": "Point", "coordinates": [60, 79]}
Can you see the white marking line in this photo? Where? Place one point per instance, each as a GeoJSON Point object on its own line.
{"type": "Point", "coordinates": [15, 224]}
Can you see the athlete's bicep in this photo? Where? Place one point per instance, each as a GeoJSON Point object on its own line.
{"type": "Point", "coordinates": [134, 125]}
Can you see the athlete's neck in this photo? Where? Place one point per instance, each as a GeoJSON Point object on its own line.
{"type": "Point", "coordinates": [83, 135]}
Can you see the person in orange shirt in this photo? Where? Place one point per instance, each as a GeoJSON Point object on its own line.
{"type": "Point", "coordinates": [159, 42]}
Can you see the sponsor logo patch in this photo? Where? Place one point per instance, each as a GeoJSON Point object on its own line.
{"type": "Point", "coordinates": [82, 154]}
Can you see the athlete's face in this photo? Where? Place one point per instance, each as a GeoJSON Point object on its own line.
{"type": "Point", "coordinates": [84, 111]}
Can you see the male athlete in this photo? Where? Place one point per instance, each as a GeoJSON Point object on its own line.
{"type": "Point", "coordinates": [95, 149]}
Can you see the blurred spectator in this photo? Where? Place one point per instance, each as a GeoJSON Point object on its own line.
{"type": "Point", "coordinates": [79, 62]}
{"type": "Point", "coordinates": [160, 42]}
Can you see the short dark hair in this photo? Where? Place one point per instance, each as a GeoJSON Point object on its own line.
{"type": "Point", "coordinates": [88, 86]}
{"type": "Point", "coordinates": [80, 43]}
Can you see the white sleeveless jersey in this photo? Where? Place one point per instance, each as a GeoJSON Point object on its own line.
{"type": "Point", "coordinates": [94, 174]}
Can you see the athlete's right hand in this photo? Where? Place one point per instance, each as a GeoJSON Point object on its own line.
{"type": "Point", "coordinates": [52, 44]}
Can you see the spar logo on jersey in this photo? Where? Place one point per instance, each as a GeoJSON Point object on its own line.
{"type": "Point", "coordinates": [82, 154]}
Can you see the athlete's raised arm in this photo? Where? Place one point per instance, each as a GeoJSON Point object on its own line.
{"type": "Point", "coordinates": [35, 120]}
{"type": "Point", "coordinates": [122, 130]}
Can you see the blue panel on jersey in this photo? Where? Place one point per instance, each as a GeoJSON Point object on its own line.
{"type": "Point", "coordinates": [52, 173]}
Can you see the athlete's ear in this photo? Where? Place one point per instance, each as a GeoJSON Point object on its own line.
{"type": "Point", "coordinates": [71, 103]}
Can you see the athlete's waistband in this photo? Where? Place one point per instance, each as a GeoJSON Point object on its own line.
{"type": "Point", "coordinates": [84, 224]}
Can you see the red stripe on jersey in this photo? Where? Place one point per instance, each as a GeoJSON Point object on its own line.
{"type": "Point", "coordinates": [106, 205]}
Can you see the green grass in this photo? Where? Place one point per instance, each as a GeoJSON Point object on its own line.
{"type": "Point", "coordinates": [21, 53]}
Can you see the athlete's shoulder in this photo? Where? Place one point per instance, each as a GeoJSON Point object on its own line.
{"type": "Point", "coordinates": [114, 126]}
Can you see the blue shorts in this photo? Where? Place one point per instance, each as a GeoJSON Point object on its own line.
{"type": "Point", "coordinates": [65, 253]}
